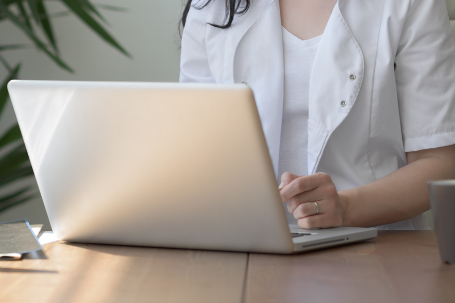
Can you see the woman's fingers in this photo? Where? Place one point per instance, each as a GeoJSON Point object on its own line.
{"type": "Point", "coordinates": [320, 221]}
{"type": "Point", "coordinates": [303, 184]}
{"type": "Point", "coordinates": [308, 189]}
{"type": "Point", "coordinates": [309, 209]}
{"type": "Point", "coordinates": [287, 178]}
{"type": "Point", "coordinates": [314, 195]}
{"type": "Point", "coordinates": [313, 222]}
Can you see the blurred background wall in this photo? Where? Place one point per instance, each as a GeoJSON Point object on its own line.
{"type": "Point", "coordinates": [148, 30]}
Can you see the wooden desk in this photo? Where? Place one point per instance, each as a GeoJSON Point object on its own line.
{"type": "Point", "coordinates": [398, 266]}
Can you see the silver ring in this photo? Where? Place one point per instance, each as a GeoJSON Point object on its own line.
{"type": "Point", "coordinates": [317, 208]}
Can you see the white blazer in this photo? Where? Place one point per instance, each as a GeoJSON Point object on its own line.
{"type": "Point", "coordinates": [382, 84]}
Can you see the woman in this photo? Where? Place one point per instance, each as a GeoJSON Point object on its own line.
{"type": "Point", "coordinates": [356, 99]}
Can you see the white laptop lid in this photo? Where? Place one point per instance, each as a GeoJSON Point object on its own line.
{"type": "Point", "coordinates": [153, 164]}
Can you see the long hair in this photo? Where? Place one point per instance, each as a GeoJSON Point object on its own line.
{"type": "Point", "coordinates": [232, 9]}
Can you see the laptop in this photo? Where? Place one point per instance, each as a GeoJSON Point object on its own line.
{"type": "Point", "coordinates": [159, 164]}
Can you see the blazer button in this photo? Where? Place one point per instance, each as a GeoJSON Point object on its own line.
{"type": "Point", "coordinates": [343, 103]}
{"type": "Point", "coordinates": [352, 77]}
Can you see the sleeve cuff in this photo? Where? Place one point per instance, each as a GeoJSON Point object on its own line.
{"type": "Point", "coordinates": [427, 142]}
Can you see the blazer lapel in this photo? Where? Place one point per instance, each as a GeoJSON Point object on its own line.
{"type": "Point", "coordinates": [335, 83]}
{"type": "Point", "coordinates": [343, 70]}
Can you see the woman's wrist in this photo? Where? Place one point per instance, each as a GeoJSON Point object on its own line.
{"type": "Point", "coordinates": [347, 200]}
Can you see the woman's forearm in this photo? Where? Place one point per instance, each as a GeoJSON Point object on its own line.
{"type": "Point", "coordinates": [401, 195]}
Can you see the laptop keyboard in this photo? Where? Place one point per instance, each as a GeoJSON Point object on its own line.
{"type": "Point", "coordinates": [296, 235]}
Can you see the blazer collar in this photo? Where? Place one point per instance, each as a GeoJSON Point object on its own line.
{"type": "Point", "coordinates": [238, 29]}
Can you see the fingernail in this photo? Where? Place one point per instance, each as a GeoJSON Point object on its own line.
{"type": "Point", "coordinates": [283, 184]}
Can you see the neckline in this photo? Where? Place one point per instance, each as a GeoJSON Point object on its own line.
{"type": "Point", "coordinates": [291, 38]}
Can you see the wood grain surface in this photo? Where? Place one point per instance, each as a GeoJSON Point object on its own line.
{"type": "Point", "coordinates": [83, 273]}
{"type": "Point", "coordinates": [398, 266]}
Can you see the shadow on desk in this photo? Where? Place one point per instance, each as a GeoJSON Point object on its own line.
{"type": "Point", "coordinates": [143, 251]}
{"type": "Point", "coordinates": [27, 271]}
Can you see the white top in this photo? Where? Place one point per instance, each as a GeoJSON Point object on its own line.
{"type": "Point", "coordinates": [298, 63]}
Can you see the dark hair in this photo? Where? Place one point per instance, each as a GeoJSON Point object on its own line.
{"type": "Point", "coordinates": [232, 8]}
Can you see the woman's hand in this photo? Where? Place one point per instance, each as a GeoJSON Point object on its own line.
{"type": "Point", "coordinates": [303, 191]}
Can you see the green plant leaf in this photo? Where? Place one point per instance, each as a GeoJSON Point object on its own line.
{"type": "Point", "coordinates": [112, 8]}
{"type": "Point", "coordinates": [10, 2]}
{"type": "Point", "coordinates": [78, 9]}
{"type": "Point", "coordinates": [90, 7]}
{"type": "Point", "coordinates": [5, 64]}
{"type": "Point", "coordinates": [16, 201]}
{"type": "Point", "coordinates": [32, 5]}
{"type": "Point", "coordinates": [3, 88]}
{"type": "Point", "coordinates": [45, 22]}
{"type": "Point", "coordinates": [14, 19]}
{"type": "Point", "coordinates": [13, 46]}
{"type": "Point", "coordinates": [13, 134]}
{"type": "Point", "coordinates": [13, 159]}
{"type": "Point", "coordinates": [16, 175]}
{"type": "Point", "coordinates": [24, 15]}
{"type": "Point", "coordinates": [14, 194]}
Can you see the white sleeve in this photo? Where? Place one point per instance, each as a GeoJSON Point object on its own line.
{"type": "Point", "coordinates": [425, 77]}
{"type": "Point", "coordinates": [194, 66]}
